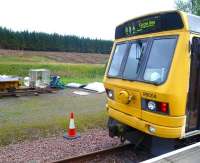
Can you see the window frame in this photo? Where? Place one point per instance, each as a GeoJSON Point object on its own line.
{"type": "Point", "coordinates": [144, 61]}
{"type": "Point", "coordinates": [169, 64]}
{"type": "Point", "coordinates": [122, 63]}
{"type": "Point", "coordinates": [143, 58]}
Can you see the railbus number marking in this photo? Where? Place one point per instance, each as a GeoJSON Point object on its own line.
{"type": "Point", "coordinates": [149, 94]}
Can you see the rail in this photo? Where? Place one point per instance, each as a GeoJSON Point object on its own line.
{"type": "Point", "coordinates": [92, 155]}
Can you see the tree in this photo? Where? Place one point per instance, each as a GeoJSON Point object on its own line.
{"type": "Point", "coordinates": [191, 6]}
{"type": "Point", "coordinates": [38, 41]}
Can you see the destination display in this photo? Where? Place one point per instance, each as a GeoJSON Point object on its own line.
{"type": "Point", "coordinates": [149, 24]}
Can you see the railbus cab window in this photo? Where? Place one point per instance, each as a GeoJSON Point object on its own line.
{"type": "Point", "coordinates": [131, 57]}
{"type": "Point", "coordinates": [118, 56]}
{"type": "Point", "coordinates": [134, 60]}
{"type": "Point", "coordinates": [159, 60]}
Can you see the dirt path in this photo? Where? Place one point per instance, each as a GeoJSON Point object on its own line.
{"type": "Point", "coordinates": [64, 57]}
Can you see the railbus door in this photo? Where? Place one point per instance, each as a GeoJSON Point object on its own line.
{"type": "Point", "coordinates": [193, 104]}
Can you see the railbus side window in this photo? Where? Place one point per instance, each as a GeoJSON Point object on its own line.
{"type": "Point", "coordinates": [118, 56]}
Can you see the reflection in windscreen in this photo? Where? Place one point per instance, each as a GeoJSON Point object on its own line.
{"type": "Point", "coordinates": [159, 60]}
{"type": "Point", "coordinates": [134, 60]}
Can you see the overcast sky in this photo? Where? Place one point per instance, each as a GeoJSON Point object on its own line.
{"type": "Point", "coordinates": [88, 18]}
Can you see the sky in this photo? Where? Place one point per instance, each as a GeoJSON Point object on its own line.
{"type": "Point", "coordinates": [87, 18]}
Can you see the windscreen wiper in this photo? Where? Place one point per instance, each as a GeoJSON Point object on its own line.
{"type": "Point", "coordinates": [141, 55]}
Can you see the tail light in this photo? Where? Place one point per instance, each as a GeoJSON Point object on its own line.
{"type": "Point", "coordinates": [164, 107]}
{"type": "Point", "coordinates": [155, 106]}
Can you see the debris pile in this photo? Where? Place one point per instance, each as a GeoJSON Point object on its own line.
{"type": "Point", "coordinates": [96, 87]}
{"type": "Point", "coordinates": [56, 82]}
{"type": "Point", "coordinates": [41, 79]}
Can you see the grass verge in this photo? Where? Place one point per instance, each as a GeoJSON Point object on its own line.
{"type": "Point", "coordinates": [13, 133]}
{"type": "Point", "coordinates": [28, 118]}
{"type": "Point", "coordinates": [69, 72]}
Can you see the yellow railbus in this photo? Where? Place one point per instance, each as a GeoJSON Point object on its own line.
{"type": "Point", "coordinates": [152, 79]}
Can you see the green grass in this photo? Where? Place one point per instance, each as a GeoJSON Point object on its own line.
{"type": "Point", "coordinates": [48, 114]}
{"type": "Point", "coordinates": [82, 80]}
{"type": "Point", "coordinates": [14, 133]}
{"type": "Point", "coordinates": [28, 118]}
{"type": "Point", "coordinates": [69, 72]}
{"type": "Point", "coordinates": [20, 66]}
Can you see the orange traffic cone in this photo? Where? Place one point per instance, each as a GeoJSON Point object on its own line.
{"type": "Point", "coordinates": [72, 134]}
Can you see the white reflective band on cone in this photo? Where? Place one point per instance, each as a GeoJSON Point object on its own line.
{"type": "Point", "coordinates": [71, 124]}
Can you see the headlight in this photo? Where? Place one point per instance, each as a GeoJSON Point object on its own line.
{"type": "Point", "coordinates": [152, 129]}
{"type": "Point", "coordinates": [151, 105]}
{"type": "Point", "coordinates": [110, 93]}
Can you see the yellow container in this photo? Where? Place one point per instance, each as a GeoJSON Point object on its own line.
{"type": "Point", "coordinates": [6, 85]}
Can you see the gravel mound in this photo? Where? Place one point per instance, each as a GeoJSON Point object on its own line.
{"type": "Point", "coordinates": [55, 148]}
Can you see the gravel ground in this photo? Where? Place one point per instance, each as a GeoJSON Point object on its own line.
{"type": "Point", "coordinates": [55, 148]}
{"type": "Point", "coordinates": [125, 156]}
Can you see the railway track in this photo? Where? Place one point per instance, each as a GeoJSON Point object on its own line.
{"type": "Point", "coordinates": [125, 153]}
{"type": "Point", "coordinates": [26, 92]}
{"type": "Point", "coordinates": [102, 155]}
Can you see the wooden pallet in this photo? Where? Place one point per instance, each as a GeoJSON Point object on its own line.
{"type": "Point", "coordinates": [26, 92]}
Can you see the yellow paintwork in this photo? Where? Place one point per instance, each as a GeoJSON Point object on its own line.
{"type": "Point", "coordinates": [162, 131]}
{"type": "Point", "coordinates": [173, 91]}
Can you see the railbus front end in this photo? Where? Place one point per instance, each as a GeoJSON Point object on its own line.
{"type": "Point", "coordinates": [150, 81]}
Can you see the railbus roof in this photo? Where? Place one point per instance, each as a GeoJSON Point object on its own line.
{"type": "Point", "coordinates": [158, 22]}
